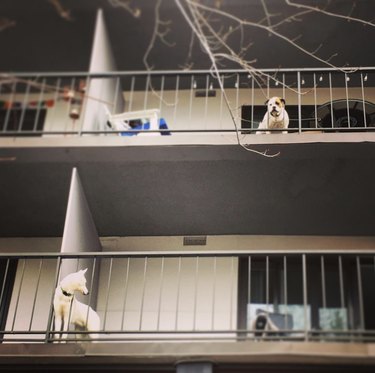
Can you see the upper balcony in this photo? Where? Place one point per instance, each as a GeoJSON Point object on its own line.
{"type": "Point", "coordinates": [185, 107]}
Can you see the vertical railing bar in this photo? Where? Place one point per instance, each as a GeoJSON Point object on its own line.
{"type": "Point", "coordinates": [323, 275]}
{"type": "Point", "coordinates": [39, 104]}
{"type": "Point", "coordinates": [77, 266]}
{"type": "Point", "coordinates": [145, 102]}
{"type": "Point", "coordinates": [69, 103]}
{"type": "Point", "coordinates": [55, 98]}
{"type": "Point", "coordinates": [360, 294]}
{"type": "Point", "coordinates": [267, 283]}
{"type": "Point", "coordinates": [114, 105]}
{"type": "Point", "coordinates": [178, 292]}
{"type": "Point", "coordinates": [160, 292]}
{"type": "Point", "coordinates": [125, 293]}
{"type": "Point", "coordinates": [107, 293]}
{"type": "Point", "coordinates": [252, 102]}
{"type": "Point", "coordinates": [51, 309]}
{"type": "Point", "coordinates": [131, 96]}
{"type": "Point", "coordinates": [315, 103]}
{"type": "Point", "coordinates": [214, 294]}
{"type": "Point", "coordinates": [285, 291]}
{"type": "Point", "coordinates": [90, 292]}
{"type": "Point", "coordinates": [221, 101]}
{"type": "Point", "coordinates": [83, 111]}
{"type": "Point", "coordinates": [231, 292]}
{"type": "Point", "coordinates": [11, 100]}
{"type": "Point", "coordinates": [19, 293]}
{"type": "Point", "coordinates": [304, 280]}
{"type": "Point", "coordinates": [249, 281]}
{"type": "Point", "coordinates": [195, 292]}
{"type": "Point", "coordinates": [248, 305]}
{"type": "Point", "coordinates": [363, 101]}
{"type": "Point", "coordinates": [341, 278]}
{"type": "Point", "coordinates": [299, 101]}
{"type": "Point", "coordinates": [237, 94]}
{"type": "Point", "coordinates": [268, 87]}
{"type": "Point", "coordinates": [143, 293]}
{"type": "Point", "coordinates": [36, 293]}
{"type": "Point", "coordinates": [176, 99]}
{"type": "Point", "coordinates": [284, 86]}
{"type": "Point", "coordinates": [331, 97]}
{"type": "Point", "coordinates": [161, 92]}
{"type": "Point", "coordinates": [115, 97]}
{"type": "Point", "coordinates": [347, 98]}
{"type": "Point", "coordinates": [206, 100]}
{"type": "Point", "coordinates": [4, 281]}
{"type": "Point", "coordinates": [24, 106]}
{"type": "Point", "coordinates": [191, 98]}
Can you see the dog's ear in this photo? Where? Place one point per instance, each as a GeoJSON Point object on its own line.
{"type": "Point", "coordinates": [266, 102]}
{"type": "Point", "coordinates": [283, 101]}
{"type": "Point", "coordinates": [84, 270]}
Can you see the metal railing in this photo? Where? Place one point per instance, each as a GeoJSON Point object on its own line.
{"type": "Point", "coordinates": [195, 296]}
{"type": "Point", "coordinates": [324, 100]}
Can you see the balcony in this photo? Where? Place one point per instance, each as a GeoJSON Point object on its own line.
{"type": "Point", "coordinates": [194, 106]}
{"type": "Point", "coordinates": [310, 299]}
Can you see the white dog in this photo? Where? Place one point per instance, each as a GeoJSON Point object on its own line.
{"type": "Point", "coordinates": [276, 115]}
{"type": "Point", "coordinates": [68, 310]}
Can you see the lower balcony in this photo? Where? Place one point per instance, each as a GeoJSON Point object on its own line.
{"type": "Point", "coordinates": [158, 309]}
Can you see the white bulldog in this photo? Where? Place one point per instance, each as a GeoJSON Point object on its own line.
{"type": "Point", "coordinates": [275, 117]}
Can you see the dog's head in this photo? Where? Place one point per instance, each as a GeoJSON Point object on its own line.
{"type": "Point", "coordinates": [75, 282]}
{"type": "Point", "coordinates": [275, 106]}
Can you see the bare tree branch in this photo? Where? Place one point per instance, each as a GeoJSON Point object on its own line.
{"type": "Point", "coordinates": [126, 5]}
{"type": "Point", "coordinates": [331, 14]}
{"type": "Point", "coordinates": [63, 13]}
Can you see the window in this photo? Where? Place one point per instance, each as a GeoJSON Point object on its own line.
{"type": "Point", "coordinates": [323, 295]}
{"type": "Point", "coordinates": [21, 120]}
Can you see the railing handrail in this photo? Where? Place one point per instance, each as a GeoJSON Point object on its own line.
{"type": "Point", "coordinates": [103, 74]}
{"type": "Point", "coordinates": [189, 253]}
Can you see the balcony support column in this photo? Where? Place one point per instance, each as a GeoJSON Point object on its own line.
{"type": "Point", "coordinates": [194, 367]}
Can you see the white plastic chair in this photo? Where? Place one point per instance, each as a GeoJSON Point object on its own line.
{"type": "Point", "coordinates": [119, 122]}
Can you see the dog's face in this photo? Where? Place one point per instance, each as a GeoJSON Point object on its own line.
{"type": "Point", "coordinates": [75, 282]}
{"type": "Point", "coordinates": [81, 284]}
{"type": "Point", "coordinates": [275, 106]}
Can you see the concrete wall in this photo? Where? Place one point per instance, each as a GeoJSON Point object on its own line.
{"type": "Point", "coordinates": [185, 111]}
{"type": "Point", "coordinates": [173, 294]}
{"type": "Point", "coordinates": [181, 111]}
{"type": "Point", "coordinates": [32, 297]}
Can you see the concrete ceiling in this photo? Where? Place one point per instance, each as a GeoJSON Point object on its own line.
{"type": "Point", "coordinates": [310, 189]}
{"type": "Point", "coordinates": [34, 37]}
